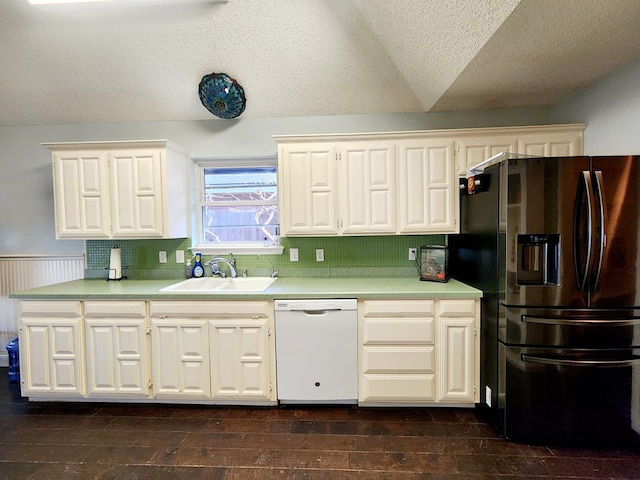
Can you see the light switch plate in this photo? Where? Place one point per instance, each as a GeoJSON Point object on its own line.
{"type": "Point", "coordinates": [293, 254]}
{"type": "Point", "coordinates": [162, 256]}
{"type": "Point", "coordinates": [179, 256]}
{"type": "Point", "coordinates": [319, 255]}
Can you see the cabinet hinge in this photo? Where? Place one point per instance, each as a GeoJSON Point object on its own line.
{"type": "Point", "coordinates": [475, 331]}
{"type": "Point", "coordinates": [148, 331]}
{"type": "Point", "coordinates": [150, 384]}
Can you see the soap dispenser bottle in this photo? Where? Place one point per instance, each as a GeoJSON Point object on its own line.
{"type": "Point", "coordinates": [188, 269]}
{"type": "Point", "coordinates": [198, 269]}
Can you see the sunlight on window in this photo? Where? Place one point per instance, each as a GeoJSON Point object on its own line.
{"type": "Point", "coordinates": [239, 204]}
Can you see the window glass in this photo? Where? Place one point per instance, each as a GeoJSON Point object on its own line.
{"type": "Point", "coordinates": [239, 204]}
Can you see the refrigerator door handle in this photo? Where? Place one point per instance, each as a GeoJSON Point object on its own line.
{"type": "Point", "coordinates": [541, 359]}
{"type": "Point", "coordinates": [599, 230]}
{"type": "Point", "coordinates": [582, 264]}
{"type": "Point", "coordinates": [582, 322]}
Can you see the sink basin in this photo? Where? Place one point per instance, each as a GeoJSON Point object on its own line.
{"type": "Point", "coordinates": [193, 285]}
{"type": "Point", "coordinates": [247, 284]}
{"type": "Point", "coordinates": [218, 285]}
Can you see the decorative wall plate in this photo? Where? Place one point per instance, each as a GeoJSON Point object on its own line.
{"type": "Point", "coordinates": [222, 95]}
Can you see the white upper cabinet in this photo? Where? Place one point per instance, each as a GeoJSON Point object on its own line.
{"type": "Point", "coordinates": [368, 187]}
{"type": "Point", "coordinates": [396, 183]}
{"type": "Point", "coordinates": [428, 195]}
{"type": "Point", "coordinates": [80, 186]}
{"type": "Point", "coordinates": [308, 189]}
{"type": "Point", "coordinates": [136, 193]}
{"type": "Point", "coordinates": [356, 185]}
{"type": "Point", "coordinates": [473, 150]}
{"type": "Point", "coordinates": [475, 145]}
{"type": "Point", "coordinates": [120, 189]}
{"type": "Point", "coordinates": [559, 141]}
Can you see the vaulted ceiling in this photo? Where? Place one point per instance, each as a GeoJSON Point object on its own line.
{"type": "Point", "coordinates": [75, 64]}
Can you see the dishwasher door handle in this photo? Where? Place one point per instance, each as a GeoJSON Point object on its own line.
{"type": "Point", "coordinates": [317, 312]}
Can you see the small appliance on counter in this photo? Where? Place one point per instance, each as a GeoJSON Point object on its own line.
{"type": "Point", "coordinates": [434, 263]}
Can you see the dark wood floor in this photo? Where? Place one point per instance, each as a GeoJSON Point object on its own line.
{"type": "Point", "coordinates": [111, 441]}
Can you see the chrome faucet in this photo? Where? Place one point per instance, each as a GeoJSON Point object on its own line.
{"type": "Point", "coordinates": [215, 265]}
{"type": "Point", "coordinates": [274, 272]}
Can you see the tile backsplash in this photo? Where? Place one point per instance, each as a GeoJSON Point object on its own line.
{"type": "Point", "coordinates": [343, 256]}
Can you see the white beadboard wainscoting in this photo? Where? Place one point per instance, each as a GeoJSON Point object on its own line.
{"type": "Point", "coordinates": [30, 271]}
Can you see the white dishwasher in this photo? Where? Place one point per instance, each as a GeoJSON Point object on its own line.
{"type": "Point", "coordinates": [317, 351]}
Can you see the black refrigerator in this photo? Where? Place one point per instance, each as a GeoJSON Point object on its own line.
{"type": "Point", "coordinates": [553, 243]}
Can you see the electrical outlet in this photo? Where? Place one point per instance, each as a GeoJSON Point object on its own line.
{"type": "Point", "coordinates": [293, 254]}
{"type": "Point", "coordinates": [162, 256]}
{"type": "Point", "coordinates": [179, 256]}
{"type": "Point", "coordinates": [412, 253]}
{"type": "Point", "coordinates": [319, 255]}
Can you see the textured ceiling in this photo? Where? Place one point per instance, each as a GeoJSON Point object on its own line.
{"type": "Point", "coordinates": [75, 64]}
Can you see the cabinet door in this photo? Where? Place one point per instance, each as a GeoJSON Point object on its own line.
{"type": "Point", "coordinates": [180, 358]}
{"type": "Point", "coordinates": [549, 144]}
{"type": "Point", "coordinates": [240, 359]}
{"type": "Point", "coordinates": [428, 192]}
{"type": "Point", "coordinates": [471, 151]}
{"type": "Point", "coordinates": [51, 357]}
{"type": "Point", "coordinates": [80, 184]}
{"type": "Point", "coordinates": [459, 370]}
{"type": "Point", "coordinates": [457, 360]}
{"type": "Point", "coordinates": [368, 187]}
{"type": "Point", "coordinates": [117, 357]}
{"type": "Point", "coordinates": [308, 189]}
{"type": "Point", "coordinates": [136, 193]}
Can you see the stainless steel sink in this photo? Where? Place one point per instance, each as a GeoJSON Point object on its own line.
{"type": "Point", "coordinates": [220, 285]}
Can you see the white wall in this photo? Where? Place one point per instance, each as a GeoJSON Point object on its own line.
{"type": "Point", "coordinates": [611, 108]}
{"type": "Point", "coordinates": [26, 192]}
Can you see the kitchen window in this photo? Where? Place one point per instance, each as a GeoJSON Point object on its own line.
{"type": "Point", "coordinates": [237, 206]}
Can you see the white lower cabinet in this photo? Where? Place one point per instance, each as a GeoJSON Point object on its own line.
{"type": "Point", "coordinates": [397, 357]}
{"type": "Point", "coordinates": [116, 348]}
{"type": "Point", "coordinates": [180, 358]}
{"type": "Point", "coordinates": [51, 349]}
{"type": "Point", "coordinates": [412, 353]}
{"type": "Point", "coordinates": [220, 351]}
{"type": "Point", "coordinates": [239, 359]}
{"type": "Point", "coordinates": [459, 343]}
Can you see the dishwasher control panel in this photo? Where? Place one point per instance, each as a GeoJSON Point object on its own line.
{"type": "Point", "coordinates": [317, 304]}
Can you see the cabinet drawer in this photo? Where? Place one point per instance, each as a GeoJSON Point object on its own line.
{"type": "Point", "coordinates": [135, 309]}
{"type": "Point", "coordinates": [399, 388]}
{"type": "Point", "coordinates": [210, 309]}
{"type": "Point", "coordinates": [52, 308]}
{"type": "Point", "coordinates": [457, 308]}
{"type": "Point", "coordinates": [398, 330]}
{"type": "Point", "coordinates": [398, 359]}
{"type": "Point", "coordinates": [416, 308]}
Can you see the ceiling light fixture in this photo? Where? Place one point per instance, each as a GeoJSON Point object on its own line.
{"type": "Point", "coordinates": [222, 95]}
{"type": "Point", "coordinates": [122, 2]}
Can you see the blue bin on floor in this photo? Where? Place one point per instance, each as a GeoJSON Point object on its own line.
{"type": "Point", "coordinates": [14, 361]}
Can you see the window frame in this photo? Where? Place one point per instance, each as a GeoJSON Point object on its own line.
{"type": "Point", "coordinates": [228, 247]}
